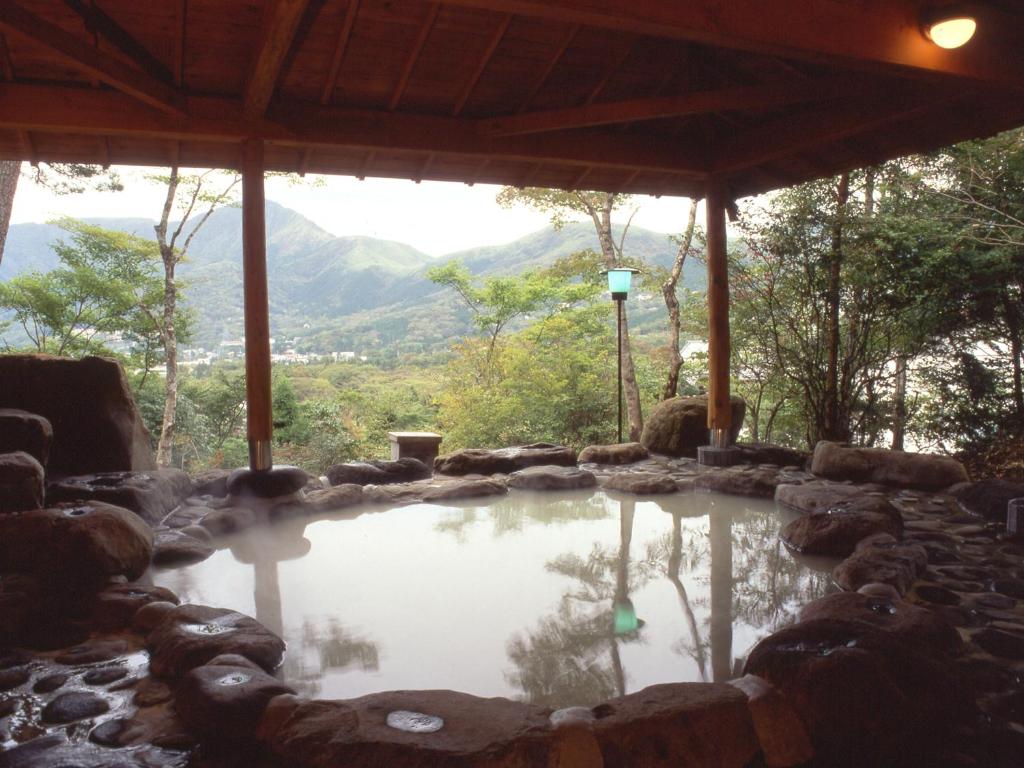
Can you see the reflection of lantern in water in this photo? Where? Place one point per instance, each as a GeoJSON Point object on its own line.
{"type": "Point", "coordinates": [624, 619]}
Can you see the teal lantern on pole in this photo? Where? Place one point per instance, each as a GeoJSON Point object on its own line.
{"type": "Point", "coordinates": [619, 281]}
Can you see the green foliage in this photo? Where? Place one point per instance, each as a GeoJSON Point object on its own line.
{"type": "Point", "coordinates": [107, 283]}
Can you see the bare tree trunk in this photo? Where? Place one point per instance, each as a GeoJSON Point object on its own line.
{"type": "Point", "coordinates": [168, 334]}
{"type": "Point", "coordinates": [10, 172]}
{"type": "Point", "coordinates": [899, 419]}
{"type": "Point", "coordinates": [1013, 324]}
{"type": "Point", "coordinates": [831, 429]}
{"type": "Point", "coordinates": [668, 290]}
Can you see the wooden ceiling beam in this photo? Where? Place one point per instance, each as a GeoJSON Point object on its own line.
{"type": "Point", "coordinates": [485, 59]}
{"type": "Point", "coordinates": [609, 72]}
{"type": "Point", "coordinates": [794, 135]}
{"type": "Point", "coordinates": [414, 55]}
{"type": "Point", "coordinates": [52, 109]}
{"type": "Point", "coordinates": [869, 33]}
{"type": "Point", "coordinates": [101, 24]}
{"type": "Point", "coordinates": [88, 60]}
{"type": "Point", "coordinates": [556, 57]}
{"type": "Point", "coordinates": [340, 48]}
{"type": "Point", "coordinates": [278, 33]}
{"type": "Point", "coordinates": [694, 103]}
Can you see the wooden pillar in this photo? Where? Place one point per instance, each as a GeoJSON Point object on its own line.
{"type": "Point", "coordinates": [257, 309]}
{"type": "Point", "coordinates": [719, 412]}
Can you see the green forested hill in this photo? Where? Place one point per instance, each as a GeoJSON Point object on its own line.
{"type": "Point", "coordinates": [339, 293]}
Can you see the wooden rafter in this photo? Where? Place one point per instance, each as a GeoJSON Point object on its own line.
{"type": "Point", "coordinates": [180, 36]}
{"type": "Point", "coordinates": [613, 66]}
{"type": "Point", "coordinates": [793, 135]}
{"type": "Point", "coordinates": [340, 48]}
{"type": "Point", "coordinates": [698, 102]}
{"type": "Point", "coordinates": [414, 55]}
{"type": "Point", "coordinates": [89, 61]}
{"type": "Point", "coordinates": [556, 57]}
{"type": "Point", "coordinates": [579, 178]}
{"type": "Point", "coordinates": [278, 33]}
{"type": "Point", "coordinates": [102, 25]}
{"type": "Point", "coordinates": [876, 33]}
{"type": "Point", "coordinates": [485, 59]}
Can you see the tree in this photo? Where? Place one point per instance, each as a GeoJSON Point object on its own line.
{"type": "Point", "coordinates": [62, 178]}
{"type": "Point", "coordinates": [598, 207]}
{"type": "Point", "coordinates": [195, 196]}
{"type": "Point", "coordinates": [669, 290]}
{"type": "Point", "coordinates": [106, 285]}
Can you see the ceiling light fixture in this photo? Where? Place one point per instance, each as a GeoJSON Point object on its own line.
{"type": "Point", "coordinates": [948, 27]}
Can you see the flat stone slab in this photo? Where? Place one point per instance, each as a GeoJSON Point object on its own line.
{"type": "Point", "coordinates": [175, 547]}
{"type": "Point", "coordinates": [816, 496]}
{"type": "Point", "coordinates": [150, 495]}
{"type": "Point", "coordinates": [226, 701]}
{"type": "Point", "coordinates": [552, 478]}
{"type": "Point", "coordinates": [748, 481]}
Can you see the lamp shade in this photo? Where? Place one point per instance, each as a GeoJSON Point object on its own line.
{"type": "Point", "coordinates": [949, 28]}
{"type": "Point", "coordinates": [620, 279]}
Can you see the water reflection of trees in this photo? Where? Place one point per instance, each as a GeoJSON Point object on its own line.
{"type": "Point", "coordinates": [733, 561]}
{"type": "Point", "coordinates": [573, 657]}
{"type": "Point", "coordinates": [511, 513]}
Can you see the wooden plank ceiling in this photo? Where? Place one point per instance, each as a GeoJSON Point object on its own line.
{"type": "Point", "coordinates": [647, 96]}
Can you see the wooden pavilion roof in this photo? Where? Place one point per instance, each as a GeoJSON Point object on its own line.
{"type": "Point", "coordinates": [646, 96]}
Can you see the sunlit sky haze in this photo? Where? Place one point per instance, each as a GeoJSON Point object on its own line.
{"type": "Point", "coordinates": [436, 217]}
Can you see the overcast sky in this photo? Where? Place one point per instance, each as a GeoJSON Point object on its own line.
{"type": "Point", "coordinates": [435, 217]}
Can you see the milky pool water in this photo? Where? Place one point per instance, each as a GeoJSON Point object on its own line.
{"type": "Point", "coordinates": [559, 600]}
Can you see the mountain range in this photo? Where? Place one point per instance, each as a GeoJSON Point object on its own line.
{"type": "Point", "coordinates": [341, 293]}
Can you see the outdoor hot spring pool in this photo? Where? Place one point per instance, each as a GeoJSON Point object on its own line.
{"type": "Point", "coordinates": [557, 600]}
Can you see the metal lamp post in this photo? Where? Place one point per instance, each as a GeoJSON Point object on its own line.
{"type": "Point", "coordinates": [619, 280]}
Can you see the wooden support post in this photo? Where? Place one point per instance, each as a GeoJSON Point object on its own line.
{"type": "Point", "coordinates": [257, 308]}
{"type": "Point", "coordinates": [719, 411]}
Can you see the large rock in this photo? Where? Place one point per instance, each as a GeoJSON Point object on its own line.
{"type": "Point", "coordinates": [816, 496]}
{"type": "Point", "coordinates": [176, 547]}
{"type": "Point", "coordinates": [780, 731]}
{"type": "Point", "coordinates": [881, 560]}
{"type": "Point", "coordinates": [189, 636]}
{"type": "Point", "coordinates": [926, 471]}
{"type": "Point", "coordinates": [24, 431]}
{"type": "Point", "coordinates": [468, 731]}
{"type": "Point", "coordinates": [150, 495]}
{"type": "Point", "coordinates": [226, 701]}
{"type": "Point", "coordinates": [479, 461]}
{"type": "Point", "coordinates": [909, 622]}
{"type": "Point", "coordinates": [463, 489]}
{"type": "Point", "coordinates": [96, 426]}
{"type": "Point", "coordinates": [743, 481]}
{"type": "Point", "coordinates": [678, 426]}
{"type": "Point", "coordinates": [867, 696]}
{"type": "Point", "coordinates": [541, 478]}
{"type": "Point", "coordinates": [988, 498]}
{"type": "Point", "coordinates": [698, 724]}
{"type": "Point", "coordinates": [378, 472]}
{"type": "Point", "coordinates": [620, 453]}
{"type": "Point", "coordinates": [75, 546]}
{"type": "Point", "coordinates": [640, 483]}
{"type": "Point", "coordinates": [836, 531]}
{"type": "Point", "coordinates": [21, 482]}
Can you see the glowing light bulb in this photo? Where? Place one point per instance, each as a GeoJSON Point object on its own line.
{"type": "Point", "coordinates": [951, 32]}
